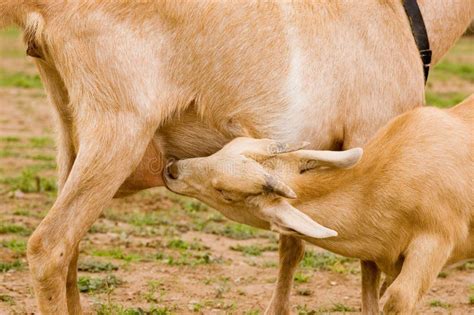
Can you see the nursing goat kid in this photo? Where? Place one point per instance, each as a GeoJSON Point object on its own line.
{"type": "Point", "coordinates": [406, 206]}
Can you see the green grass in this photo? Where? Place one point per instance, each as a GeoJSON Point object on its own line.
{"type": "Point", "coordinates": [94, 266]}
{"type": "Point", "coordinates": [9, 228]}
{"type": "Point", "coordinates": [254, 250]}
{"type": "Point", "coordinates": [10, 139]}
{"type": "Point", "coordinates": [17, 246]}
{"type": "Point", "coordinates": [144, 219]}
{"type": "Point", "coordinates": [12, 53]}
{"type": "Point", "coordinates": [183, 245]}
{"type": "Point", "coordinates": [30, 181]}
{"type": "Point", "coordinates": [460, 70]}
{"type": "Point", "coordinates": [444, 100]}
{"type": "Point", "coordinates": [95, 285]}
{"type": "Point", "coordinates": [302, 278]}
{"type": "Point", "coordinates": [194, 206]}
{"type": "Point", "coordinates": [28, 213]}
{"type": "Point", "coordinates": [438, 303]}
{"type": "Point", "coordinates": [116, 309]}
{"type": "Point", "coordinates": [154, 289]}
{"type": "Point", "coordinates": [327, 262]}
{"type": "Point", "coordinates": [7, 299]}
{"type": "Point", "coordinates": [43, 157]}
{"type": "Point", "coordinates": [471, 296]}
{"type": "Point", "coordinates": [234, 231]}
{"type": "Point", "coordinates": [6, 153]}
{"type": "Point", "coordinates": [10, 32]}
{"type": "Point", "coordinates": [340, 307]}
{"type": "Point", "coordinates": [7, 266]}
{"type": "Point", "coordinates": [19, 79]}
{"type": "Point", "coordinates": [187, 259]}
{"type": "Point", "coordinates": [41, 142]}
{"type": "Point", "coordinates": [117, 254]}
{"type": "Point", "coordinates": [467, 266]}
{"type": "Point", "coordinates": [251, 250]}
{"type": "Point", "coordinates": [336, 307]}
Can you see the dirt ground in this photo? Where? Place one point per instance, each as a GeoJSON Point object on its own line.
{"type": "Point", "coordinates": [158, 253]}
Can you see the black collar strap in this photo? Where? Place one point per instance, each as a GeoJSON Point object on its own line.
{"type": "Point", "coordinates": [419, 32]}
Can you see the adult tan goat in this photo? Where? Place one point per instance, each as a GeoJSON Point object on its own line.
{"type": "Point", "coordinates": [132, 81]}
{"type": "Point", "coordinates": [407, 206]}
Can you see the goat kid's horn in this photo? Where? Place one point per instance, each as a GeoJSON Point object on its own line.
{"type": "Point", "coordinates": [261, 149]}
{"type": "Point", "coordinates": [285, 218]}
{"type": "Point", "coordinates": [281, 147]}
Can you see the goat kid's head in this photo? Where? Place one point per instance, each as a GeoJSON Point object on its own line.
{"type": "Point", "coordinates": [254, 176]}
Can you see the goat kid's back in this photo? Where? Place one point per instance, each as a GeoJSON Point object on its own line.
{"type": "Point", "coordinates": [415, 151]}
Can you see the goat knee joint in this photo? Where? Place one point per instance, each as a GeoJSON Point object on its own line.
{"type": "Point", "coordinates": [46, 258]}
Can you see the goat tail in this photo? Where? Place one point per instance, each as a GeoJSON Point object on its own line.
{"type": "Point", "coordinates": [27, 15]}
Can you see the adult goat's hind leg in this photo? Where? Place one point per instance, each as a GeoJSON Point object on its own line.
{"type": "Point", "coordinates": [291, 250]}
{"type": "Point", "coordinates": [426, 256]}
{"type": "Point", "coordinates": [110, 148]}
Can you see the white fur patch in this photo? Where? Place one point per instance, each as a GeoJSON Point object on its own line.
{"type": "Point", "coordinates": [297, 97]}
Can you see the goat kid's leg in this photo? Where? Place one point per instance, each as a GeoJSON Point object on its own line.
{"type": "Point", "coordinates": [110, 148]}
{"type": "Point", "coordinates": [291, 251]}
{"type": "Point", "coordinates": [370, 287]}
{"type": "Point", "coordinates": [425, 258]}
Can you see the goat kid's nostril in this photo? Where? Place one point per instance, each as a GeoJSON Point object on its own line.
{"type": "Point", "coordinates": [172, 170]}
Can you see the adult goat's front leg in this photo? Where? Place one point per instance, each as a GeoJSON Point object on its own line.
{"type": "Point", "coordinates": [291, 252]}
{"type": "Point", "coordinates": [110, 147]}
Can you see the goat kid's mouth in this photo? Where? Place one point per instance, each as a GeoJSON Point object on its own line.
{"type": "Point", "coordinates": [171, 173]}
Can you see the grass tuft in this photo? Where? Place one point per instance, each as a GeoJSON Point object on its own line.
{"type": "Point", "coordinates": [302, 278]}
{"type": "Point", "coordinates": [20, 80]}
{"type": "Point", "coordinates": [444, 100]}
{"type": "Point", "coordinates": [29, 181]}
{"type": "Point", "coordinates": [327, 262]}
{"type": "Point", "coordinates": [17, 246]}
{"type": "Point", "coordinates": [438, 303]}
{"type": "Point", "coordinates": [41, 142]}
{"type": "Point", "coordinates": [96, 266]}
{"type": "Point", "coordinates": [116, 254]}
{"type": "Point", "coordinates": [7, 299]}
{"type": "Point", "coordinates": [188, 259]}
{"type": "Point", "coordinates": [7, 266]}
{"type": "Point", "coordinates": [254, 250]}
{"type": "Point", "coordinates": [7, 228]}
{"type": "Point", "coordinates": [94, 285]}
{"type": "Point", "coordinates": [115, 309]}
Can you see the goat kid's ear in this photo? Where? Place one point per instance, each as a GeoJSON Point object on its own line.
{"type": "Point", "coordinates": [286, 219]}
{"type": "Point", "coordinates": [310, 159]}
